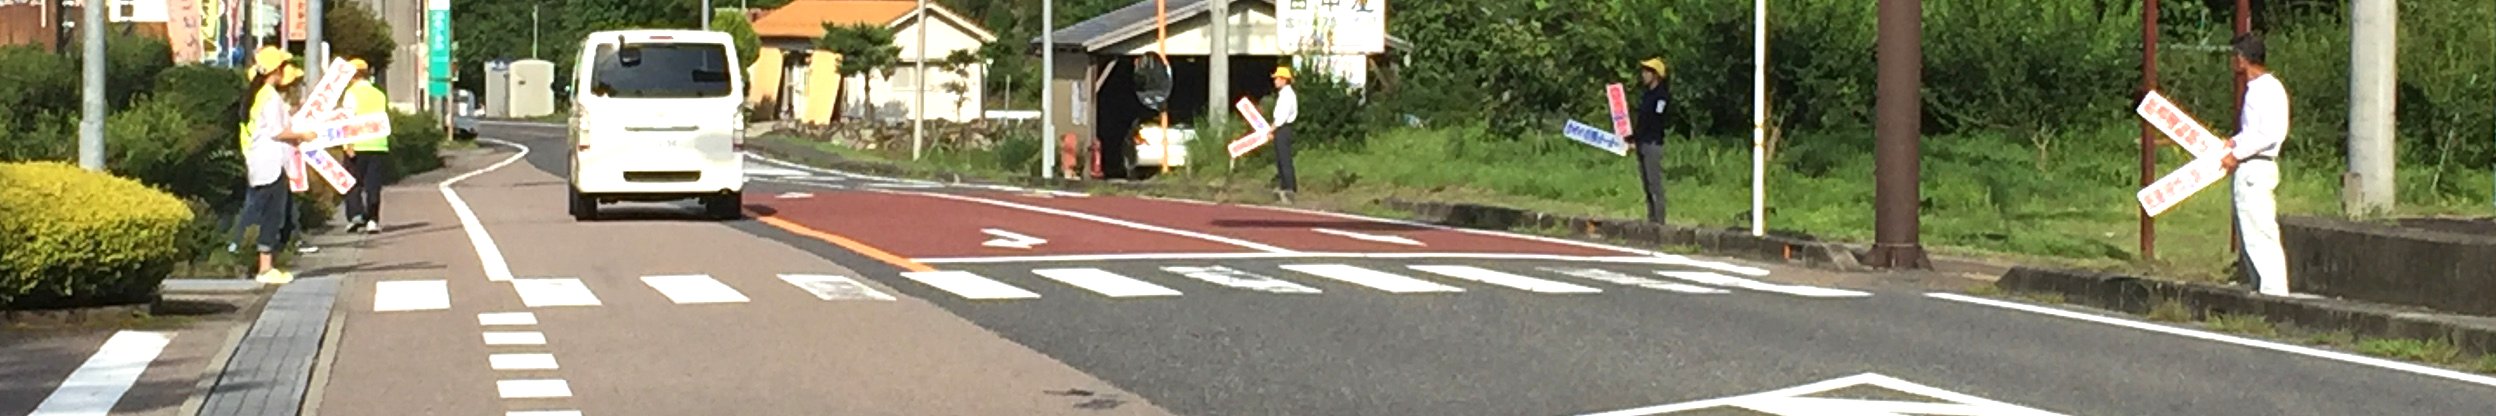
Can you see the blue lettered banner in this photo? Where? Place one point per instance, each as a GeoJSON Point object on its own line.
{"type": "Point", "coordinates": [1596, 137]}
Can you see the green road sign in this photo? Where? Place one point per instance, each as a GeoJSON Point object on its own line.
{"type": "Point", "coordinates": [438, 47]}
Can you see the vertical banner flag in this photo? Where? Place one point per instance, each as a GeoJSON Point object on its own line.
{"type": "Point", "coordinates": [1620, 108]}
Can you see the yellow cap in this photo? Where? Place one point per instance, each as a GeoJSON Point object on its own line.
{"type": "Point", "coordinates": [359, 64]}
{"type": "Point", "coordinates": [271, 58]}
{"type": "Point", "coordinates": [1656, 64]}
{"type": "Point", "coordinates": [1282, 72]}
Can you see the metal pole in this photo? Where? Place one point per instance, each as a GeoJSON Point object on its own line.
{"type": "Point", "coordinates": [1048, 88]}
{"type": "Point", "coordinates": [1759, 118]}
{"type": "Point", "coordinates": [533, 31]}
{"type": "Point", "coordinates": [2149, 140]}
{"type": "Point", "coordinates": [1218, 69]}
{"type": "Point", "coordinates": [2371, 81]}
{"type": "Point", "coordinates": [1161, 41]}
{"type": "Point", "coordinates": [313, 46]}
{"type": "Point", "coordinates": [705, 14]}
{"type": "Point", "coordinates": [918, 116]}
{"type": "Point", "coordinates": [1898, 127]}
{"type": "Point", "coordinates": [91, 125]}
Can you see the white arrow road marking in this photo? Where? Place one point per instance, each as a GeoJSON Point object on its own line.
{"type": "Point", "coordinates": [796, 195]}
{"type": "Point", "coordinates": [1799, 400]}
{"type": "Point", "coordinates": [1392, 239]}
{"type": "Point", "coordinates": [1008, 239]}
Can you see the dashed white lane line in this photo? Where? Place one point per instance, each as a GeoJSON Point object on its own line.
{"type": "Point", "coordinates": [98, 384]}
{"type": "Point", "coordinates": [544, 413]}
{"type": "Point", "coordinates": [411, 295]}
{"type": "Point", "coordinates": [2228, 339]}
{"type": "Point", "coordinates": [1106, 283]}
{"type": "Point", "coordinates": [1374, 279]}
{"type": "Point", "coordinates": [515, 338]}
{"type": "Point", "coordinates": [521, 361]}
{"type": "Point", "coordinates": [828, 287]}
{"type": "Point", "coordinates": [969, 285]}
{"type": "Point", "coordinates": [694, 288]}
{"type": "Point", "coordinates": [533, 389]}
{"type": "Point", "coordinates": [506, 318]}
{"type": "Point", "coordinates": [1713, 278]}
{"type": "Point", "coordinates": [553, 292]}
{"type": "Point", "coordinates": [1495, 277]}
{"type": "Point", "coordinates": [1240, 279]}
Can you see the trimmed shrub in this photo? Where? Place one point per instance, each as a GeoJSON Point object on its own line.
{"type": "Point", "coordinates": [159, 142]}
{"type": "Point", "coordinates": [69, 237]}
{"type": "Point", "coordinates": [415, 142]}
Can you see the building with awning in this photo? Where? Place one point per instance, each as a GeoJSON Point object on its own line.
{"type": "Point", "coordinates": [794, 81]}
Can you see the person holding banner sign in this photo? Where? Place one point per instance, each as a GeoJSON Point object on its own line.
{"type": "Point", "coordinates": [1286, 110]}
{"type": "Point", "coordinates": [2252, 155]}
{"type": "Point", "coordinates": [269, 148]}
{"type": "Point", "coordinates": [370, 158]}
{"type": "Point", "coordinates": [1647, 134]}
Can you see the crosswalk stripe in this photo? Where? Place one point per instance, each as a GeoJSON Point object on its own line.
{"type": "Point", "coordinates": [694, 288]}
{"type": "Point", "coordinates": [411, 295]}
{"type": "Point", "coordinates": [1608, 276]}
{"type": "Point", "coordinates": [1239, 279]}
{"type": "Point", "coordinates": [526, 361]}
{"type": "Point", "coordinates": [1106, 283]}
{"type": "Point", "coordinates": [969, 285]}
{"type": "Point", "coordinates": [1714, 278]}
{"type": "Point", "coordinates": [1501, 278]}
{"type": "Point", "coordinates": [533, 389]}
{"type": "Point", "coordinates": [515, 338]}
{"type": "Point", "coordinates": [553, 292]}
{"type": "Point", "coordinates": [834, 287]}
{"type": "Point", "coordinates": [1372, 278]}
{"type": "Point", "coordinates": [98, 384]}
{"type": "Point", "coordinates": [506, 318]}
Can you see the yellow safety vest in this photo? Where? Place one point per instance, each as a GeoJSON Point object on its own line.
{"type": "Point", "coordinates": [369, 100]}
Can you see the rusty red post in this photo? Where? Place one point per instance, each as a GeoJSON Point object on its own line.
{"type": "Point", "coordinates": [2149, 143]}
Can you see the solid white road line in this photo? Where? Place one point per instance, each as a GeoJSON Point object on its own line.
{"type": "Point", "coordinates": [1302, 254]}
{"type": "Point", "coordinates": [1105, 283]}
{"type": "Point", "coordinates": [543, 413]}
{"type": "Point", "coordinates": [411, 295]}
{"type": "Point", "coordinates": [1240, 279]}
{"type": "Point", "coordinates": [828, 287]}
{"type": "Point", "coordinates": [533, 389]}
{"type": "Point", "coordinates": [1672, 258]}
{"type": "Point", "coordinates": [1608, 276]}
{"type": "Point", "coordinates": [1713, 278]}
{"type": "Point", "coordinates": [506, 318]}
{"type": "Point", "coordinates": [515, 338]}
{"type": "Point", "coordinates": [694, 288]}
{"type": "Point", "coordinates": [528, 361]}
{"type": "Point", "coordinates": [106, 376]}
{"type": "Point", "coordinates": [1374, 279]}
{"type": "Point", "coordinates": [1105, 220]}
{"type": "Point", "coordinates": [488, 255]}
{"type": "Point", "coordinates": [1501, 278]}
{"type": "Point", "coordinates": [2228, 339]}
{"type": "Point", "coordinates": [553, 292]}
{"type": "Point", "coordinates": [968, 285]}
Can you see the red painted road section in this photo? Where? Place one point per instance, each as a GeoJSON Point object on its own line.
{"type": "Point", "coordinates": [924, 227]}
{"type": "Point", "coordinates": [1293, 230]}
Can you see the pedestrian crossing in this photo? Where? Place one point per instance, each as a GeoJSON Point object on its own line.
{"type": "Point", "coordinates": [1002, 284]}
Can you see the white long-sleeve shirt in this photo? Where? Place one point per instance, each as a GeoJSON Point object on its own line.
{"type": "Point", "coordinates": [2265, 125]}
{"type": "Point", "coordinates": [1286, 106]}
{"type": "Point", "coordinates": [265, 160]}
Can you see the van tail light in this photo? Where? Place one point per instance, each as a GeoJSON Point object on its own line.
{"type": "Point", "coordinates": [580, 129]}
{"type": "Point", "coordinates": [738, 144]}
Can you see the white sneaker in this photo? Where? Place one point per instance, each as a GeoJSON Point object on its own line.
{"type": "Point", "coordinates": [275, 277]}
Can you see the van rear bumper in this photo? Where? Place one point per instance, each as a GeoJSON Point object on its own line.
{"type": "Point", "coordinates": [660, 182]}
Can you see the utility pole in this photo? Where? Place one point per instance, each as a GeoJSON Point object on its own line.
{"type": "Point", "coordinates": [1897, 128]}
{"type": "Point", "coordinates": [705, 14]}
{"type": "Point", "coordinates": [2368, 189]}
{"type": "Point", "coordinates": [2149, 140]}
{"type": "Point", "coordinates": [1759, 118]}
{"type": "Point", "coordinates": [533, 31]}
{"type": "Point", "coordinates": [1048, 87]}
{"type": "Point", "coordinates": [918, 115]}
{"type": "Point", "coordinates": [1218, 74]}
{"type": "Point", "coordinates": [313, 46]}
{"type": "Point", "coordinates": [91, 125]}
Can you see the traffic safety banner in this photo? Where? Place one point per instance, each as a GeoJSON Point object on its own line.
{"type": "Point", "coordinates": [327, 92]}
{"type": "Point", "coordinates": [295, 180]}
{"type": "Point", "coordinates": [1620, 108]}
{"type": "Point", "coordinates": [2180, 127]}
{"type": "Point", "coordinates": [330, 170]}
{"type": "Point", "coordinates": [1261, 131]}
{"type": "Point", "coordinates": [1598, 138]}
{"type": "Point", "coordinates": [2207, 149]}
{"type": "Point", "coordinates": [348, 130]}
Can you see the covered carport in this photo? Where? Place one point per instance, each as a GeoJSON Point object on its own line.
{"type": "Point", "coordinates": [1096, 60]}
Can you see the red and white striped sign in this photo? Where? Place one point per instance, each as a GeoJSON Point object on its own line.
{"type": "Point", "coordinates": [2206, 148]}
{"type": "Point", "coordinates": [1620, 108]}
{"type": "Point", "coordinates": [2180, 127]}
{"type": "Point", "coordinates": [1262, 133]}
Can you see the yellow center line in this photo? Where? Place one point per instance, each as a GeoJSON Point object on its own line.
{"type": "Point", "coordinates": [845, 242]}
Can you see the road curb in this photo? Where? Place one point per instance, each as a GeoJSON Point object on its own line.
{"type": "Point", "coordinates": [2138, 295]}
{"type": "Point", "coordinates": [1778, 246]}
{"type": "Point", "coordinates": [210, 286]}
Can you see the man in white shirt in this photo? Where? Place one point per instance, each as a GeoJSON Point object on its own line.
{"type": "Point", "coordinates": [2252, 155]}
{"type": "Point", "coordinates": [1286, 109]}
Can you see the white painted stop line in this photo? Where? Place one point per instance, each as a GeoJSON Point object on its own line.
{"type": "Point", "coordinates": [1240, 279]}
{"type": "Point", "coordinates": [1106, 283]}
{"type": "Point", "coordinates": [1374, 279]}
{"type": "Point", "coordinates": [694, 288]}
{"type": "Point", "coordinates": [828, 287]}
{"type": "Point", "coordinates": [969, 285]}
{"type": "Point", "coordinates": [1501, 278]}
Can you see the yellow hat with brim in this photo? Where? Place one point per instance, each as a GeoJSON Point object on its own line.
{"type": "Point", "coordinates": [359, 64]}
{"type": "Point", "coordinates": [1656, 64]}
{"type": "Point", "coordinates": [274, 59]}
{"type": "Point", "coordinates": [1282, 72]}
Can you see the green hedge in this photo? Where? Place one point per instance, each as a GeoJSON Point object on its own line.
{"type": "Point", "coordinates": [415, 142]}
{"type": "Point", "coordinates": [69, 237]}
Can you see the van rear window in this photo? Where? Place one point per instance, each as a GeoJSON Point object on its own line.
{"type": "Point", "coordinates": [661, 70]}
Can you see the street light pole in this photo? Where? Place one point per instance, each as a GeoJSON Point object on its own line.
{"type": "Point", "coordinates": [704, 15]}
{"type": "Point", "coordinates": [91, 125]}
{"type": "Point", "coordinates": [1048, 86]}
{"type": "Point", "coordinates": [918, 115]}
{"type": "Point", "coordinates": [313, 46]}
{"type": "Point", "coordinates": [533, 31]}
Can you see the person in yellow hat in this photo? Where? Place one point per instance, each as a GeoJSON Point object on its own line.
{"type": "Point", "coordinates": [1647, 130]}
{"type": "Point", "coordinates": [370, 159]}
{"type": "Point", "coordinates": [269, 140]}
{"type": "Point", "coordinates": [1286, 110]}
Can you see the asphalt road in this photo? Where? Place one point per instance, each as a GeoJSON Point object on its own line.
{"type": "Point", "coordinates": [850, 294]}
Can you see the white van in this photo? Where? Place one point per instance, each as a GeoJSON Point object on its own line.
{"type": "Point", "coordinates": [657, 115]}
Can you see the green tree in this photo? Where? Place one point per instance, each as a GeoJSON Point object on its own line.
{"type": "Point", "coordinates": [864, 49]}
{"type": "Point", "coordinates": [736, 25]}
{"type": "Point", "coordinates": [960, 62]}
{"type": "Point", "coordinates": [354, 31]}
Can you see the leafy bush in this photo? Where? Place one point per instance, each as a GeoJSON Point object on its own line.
{"type": "Point", "coordinates": [33, 82]}
{"type": "Point", "coordinates": [354, 31]}
{"type": "Point", "coordinates": [157, 142]}
{"type": "Point", "coordinates": [415, 140]}
{"type": "Point", "coordinates": [70, 237]}
{"type": "Point", "coordinates": [131, 62]}
{"type": "Point", "coordinates": [209, 94]}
